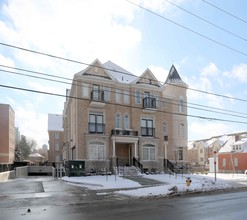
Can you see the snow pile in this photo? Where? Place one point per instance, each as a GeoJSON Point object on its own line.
{"type": "Point", "coordinates": [169, 184]}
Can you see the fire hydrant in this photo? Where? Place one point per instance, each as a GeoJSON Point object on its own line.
{"type": "Point", "coordinates": [188, 182]}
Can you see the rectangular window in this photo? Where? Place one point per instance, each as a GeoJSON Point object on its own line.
{"type": "Point", "coordinates": [201, 151]}
{"type": "Point", "coordinates": [235, 162]}
{"type": "Point", "coordinates": [56, 146]}
{"type": "Point", "coordinates": [85, 90]}
{"type": "Point", "coordinates": [96, 152]}
{"type": "Point", "coordinates": [118, 95]}
{"type": "Point", "coordinates": [96, 123]}
{"type": "Point", "coordinates": [56, 135]}
{"type": "Point", "coordinates": [155, 96]}
{"type": "Point", "coordinates": [107, 93]}
{"type": "Point", "coordinates": [180, 154]}
{"type": "Point", "coordinates": [138, 97]}
{"type": "Point", "coordinates": [126, 97]}
{"type": "Point", "coordinates": [181, 104]}
{"type": "Point", "coordinates": [224, 162]}
{"type": "Point", "coordinates": [182, 130]}
{"type": "Point", "coordinates": [96, 93]}
{"type": "Point", "coordinates": [149, 153]}
{"type": "Point", "coordinates": [147, 128]}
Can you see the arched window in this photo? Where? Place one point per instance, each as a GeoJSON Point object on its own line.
{"type": "Point", "coordinates": [182, 130]}
{"type": "Point", "coordinates": [118, 119]}
{"type": "Point", "coordinates": [181, 104]}
{"type": "Point", "coordinates": [165, 128]}
{"type": "Point", "coordinates": [126, 121]}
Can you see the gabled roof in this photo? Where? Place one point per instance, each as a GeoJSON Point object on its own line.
{"type": "Point", "coordinates": [101, 74]}
{"type": "Point", "coordinates": [148, 78]}
{"type": "Point", "coordinates": [173, 77]}
{"type": "Point", "coordinates": [119, 73]}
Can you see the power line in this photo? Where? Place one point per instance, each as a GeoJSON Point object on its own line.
{"type": "Point", "coordinates": [189, 29]}
{"type": "Point", "coordinates": [131, 95]}
{"type": "Point", "coordinates": [232, 15]}
{"type": "Point", "coordinates": [118, 104]}
{"type": "Point", "coordinates": [126, 73]}
{"type": "Point", "coordinates": [197, 16]}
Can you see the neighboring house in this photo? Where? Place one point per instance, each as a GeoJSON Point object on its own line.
{"type": "Point", "coordinates": [112, 117]}
{"type": "Point", "coordinates": [56, 138]}
{"type": "Point", "coordinates": [7, 134]}
{"type": "Point", "coordinates": [233, 158]}
{"type": "Point", "coordinates": [202, 152]}
{"type": "Point", "coordinates": [36, 158]}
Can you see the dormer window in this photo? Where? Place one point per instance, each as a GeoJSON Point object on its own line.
{"type": "Point", "coordinates": [237, 147]}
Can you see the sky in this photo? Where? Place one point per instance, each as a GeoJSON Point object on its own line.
{"type": "Point", "coordinates": [206, 45]}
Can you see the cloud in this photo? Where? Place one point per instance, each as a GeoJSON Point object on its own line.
{"type": "Point", "coordinates": [238, 72]}
{"type": "Point", "coordinates": [72, 30]}
{"type": "Point", "coordinates": [31, 123]}
{"type": "Point", "coordinates": [203, 129]}
{"type": "Point", "coordinates": [210, 70]}
{"type": "Point", "coordinates": [159, 72]}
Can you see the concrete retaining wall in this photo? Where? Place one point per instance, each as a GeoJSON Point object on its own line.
{"type": "Point", "coordinates": [40, 170]}
{"type": "Point", "coordinates": [21, 171]}
{"type": "Point", "coordinates": [7, 175]}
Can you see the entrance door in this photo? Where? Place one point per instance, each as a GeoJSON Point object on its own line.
{"type": "Point", "coordinates": [123, 153]}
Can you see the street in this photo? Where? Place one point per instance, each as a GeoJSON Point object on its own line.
{"type": "Point", "coordinates": [47, 198]}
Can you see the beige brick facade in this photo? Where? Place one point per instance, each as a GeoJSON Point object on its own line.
{"type": "Point", "coordinates": [111, 117]}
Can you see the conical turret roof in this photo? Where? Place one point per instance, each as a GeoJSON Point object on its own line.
{"type": "Point", "coordinates": [173, 77]}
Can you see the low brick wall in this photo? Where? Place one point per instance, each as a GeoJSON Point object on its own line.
{"type": "Point", "coordinates": [7, 175]}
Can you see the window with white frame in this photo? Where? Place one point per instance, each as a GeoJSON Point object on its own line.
{"type": "Point", "coordinates": [148, 152]}
{"type": "Point", "coordinates": [126, 121]}
{"type": "Point", "coordinates": [182, 130]}
{"type": "Point", "coordinates": [118, 95]}
{"type": "Point", "coordinates": [118, 121]}
{"type": "Point", "coordinates": [235, 162]}
{"type": "Point", "coordinates": [107, 93]}
{"type": "Point", "coordinates": [181, 104]}
{"type": "Point", "coordinates": [85, 90]}
{"type": "Point", "coordinates": [126, 97]}
{"type": "Point", "coordinates": [138, 97]}
{"type": "Point", "coordinates": [224, 162]}
{"type": "Point", "coordinates": [96, 151]}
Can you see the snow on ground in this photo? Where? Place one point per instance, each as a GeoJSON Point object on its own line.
{"type": "Point", "coordinates": [102, 182]}
{"type": "Point", "coordinates": [169, 183]}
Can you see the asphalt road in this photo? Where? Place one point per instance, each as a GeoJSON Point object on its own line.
{"type": "Point", "coordinates": [46, 198]}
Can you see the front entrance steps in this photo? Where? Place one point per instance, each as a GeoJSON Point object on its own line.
{"type": "Point", "coordinates": [127, 171]}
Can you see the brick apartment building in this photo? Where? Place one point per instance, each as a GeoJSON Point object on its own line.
{"type": "Point", "coordinates": [112, 117]}
{"type": "Point", "coordinates": [7, 134]}
{"type": "Point", "coordinates": [56, 138]}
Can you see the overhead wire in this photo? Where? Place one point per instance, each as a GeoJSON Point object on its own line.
{"type": "Point", "coordinates": [119, 104]}
{"type": "Point", "coordinates": [189, 29]}
{"type": "Point", "coordinates": [122, 72]}
{"type": "Point", "coordinates": [160, 100]}
{"type": "Point", "coordinates": [226, 12]}
{"type": "Point", "coordinates": [208, 22]}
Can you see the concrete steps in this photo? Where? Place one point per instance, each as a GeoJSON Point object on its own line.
{"type": "Point", "coordinates": [127, 171]}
